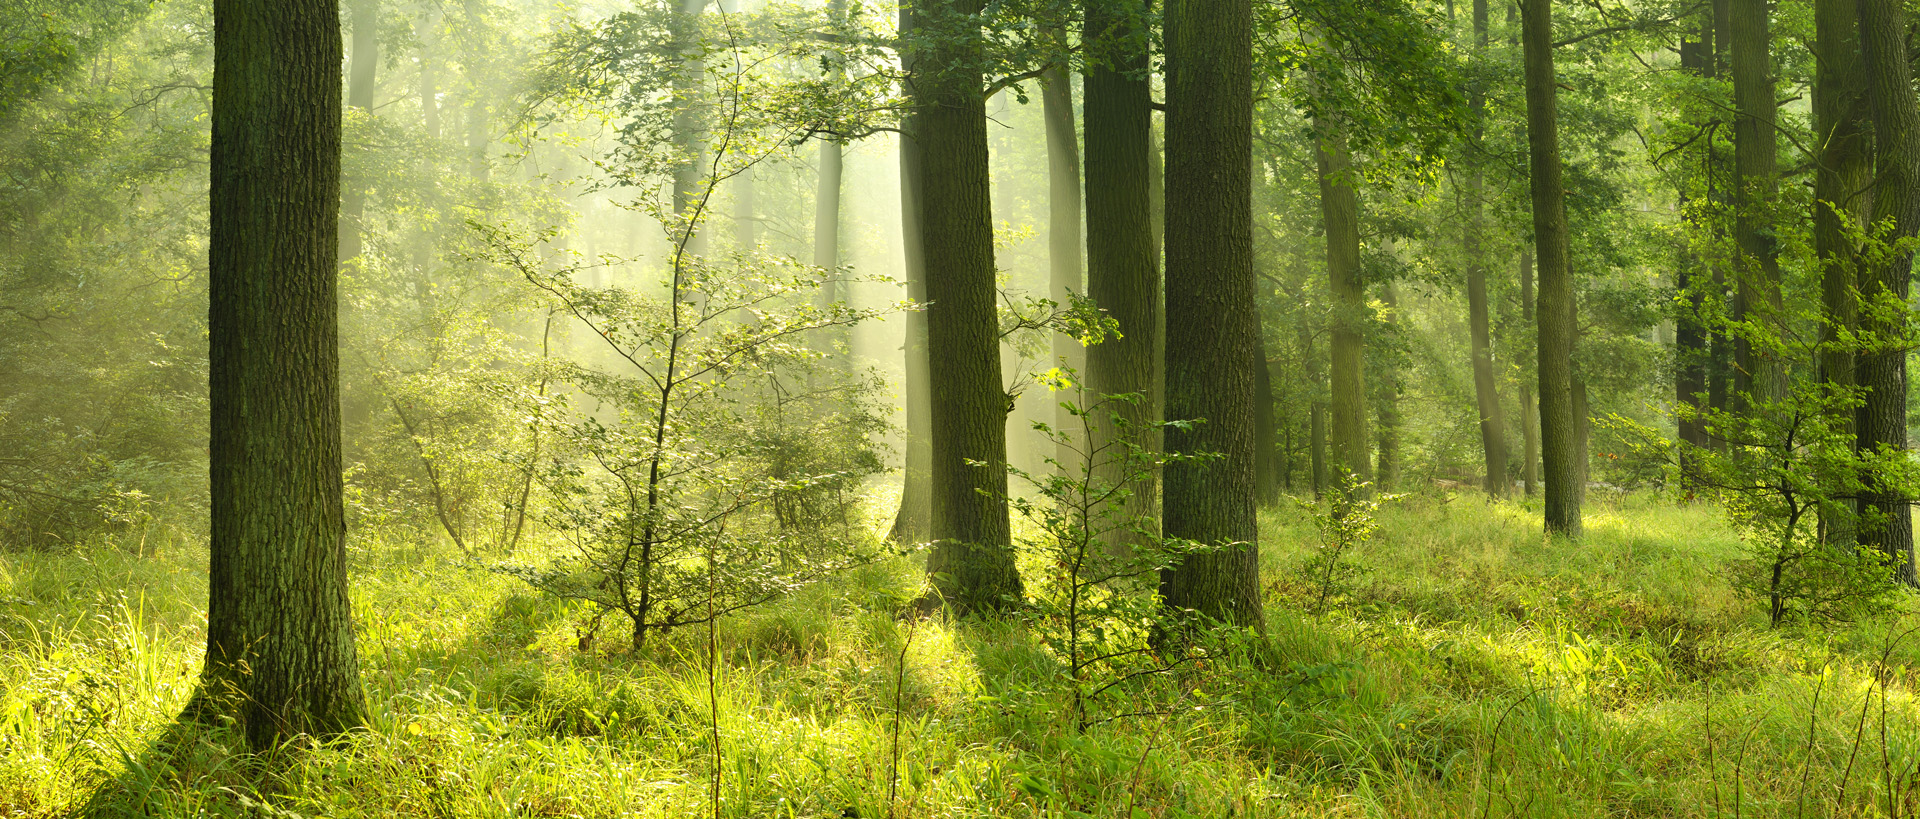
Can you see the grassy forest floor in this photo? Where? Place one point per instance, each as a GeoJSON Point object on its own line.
{"type": "Point", "coordinates": [1478, 670]}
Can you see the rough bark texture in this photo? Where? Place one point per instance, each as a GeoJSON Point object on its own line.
{"type": "Point", "coordinates": [363, 17]}
{"type": "Point", "coordinates": [280, 652]}
{"type": "Point", "coordinates": [1882, 422]}
{"type": "Point", "coordinates": [972, 560]}
{"type": "Point", "coordinates": [1340, 208]}
{"type": "Point", "coordinates": [1212, 329]}
{"type": "Point", "coordinates": [1063, 235]}
{"type": "Point", "coordinates": [1760, 375]}
{"type": "Point", "coordinates": [1555, 316]}
{"type": "Point", "coordinates": [1123, 264]}
{"type": "Point", "coordinates": [914, 522]}
{"type": "Point", "coordinates": [1843, 175]}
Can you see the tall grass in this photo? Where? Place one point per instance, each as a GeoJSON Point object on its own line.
{"type": "Point", "coordinates": [1477, 670]}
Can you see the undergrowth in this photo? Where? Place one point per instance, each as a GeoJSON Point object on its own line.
{"type": "Point", "coordinates": [1478, 669]}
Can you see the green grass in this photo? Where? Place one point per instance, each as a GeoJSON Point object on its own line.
{"type": "Point", "coordinates": [1477, 669]}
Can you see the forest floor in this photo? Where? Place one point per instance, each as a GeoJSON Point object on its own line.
{"type": "Point", "coordinates": [1477, 670]}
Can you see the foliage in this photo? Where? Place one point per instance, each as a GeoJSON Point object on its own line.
{"type": "Point", "coordinates": [711, 471]}
{"type": "Point", "coordinates": [1345, 517]}
{"type": "Point", "coordinates": [1096, 607]}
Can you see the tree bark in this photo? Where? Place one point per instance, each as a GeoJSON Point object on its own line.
{"type": "Point", "coordinates": [972, 561]}
{"type": "Point", "coordinates": [1881, 424]}
{"type": "Point", "coordinates": [363, 16]}
{"type": "Point", "coordinates": [1063, 235]}
{"type": "Point", "coordinates": [1123, 262]}
{"type": "Point", "coordinates": [1689, 334]}
{"type": "Point", "coordinates": [914, 521]}
{"type": "Point", "coordinates": [1486, 391]}
{"type": "Point", "coordinates": [1556, 320]}
{"type": "Point", "coordinates": [1529, 412]}
{"type": "Point", "coordinates": [1212, 328]}
{"type": "Point", "coordinates": [1758, 375]}
{"type": "Point", "coordinates": [1340, 208]}
{"type": "Point", "coordinates": [1386, 412]}
{"type": "Point", "coordinates": [280, 648]}
{"type": "Point", "coordinates": [1843, 175]}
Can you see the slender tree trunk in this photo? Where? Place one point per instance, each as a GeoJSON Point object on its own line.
{"type": "Point", "coordinates": [1266, 457]}
{"type": "Point", "coordinates": [1556, 320]}
{"type": "Point", "coordinates": [689, 124]}
{"type": "Point", "coordinates": [1063, 235]}
{"type": "Point", "coordinates": [426, 29]}
{"type": "Point", "coordinates": [1881, 423]}
{"type": "Point", "coordinates": [826, 199]}
{"type": "Point", "coordinates": [1689, 334]}
{"type": "Point", "coordinates": [363, 16]}
{"type": "Point", "coordinates": [280, 650]}
{"type": "Point", "coordinates": [1759, 375]}
{"type": "Point", "coordinates": [478, 165]}
{"type": "Point", "coordinates": [914, 522]}
{"type": "Point", "coordinates": [972, 561]}
{"type": "Point", "coordinates": [1340, 207]}
{"type": "Point", "coordinates": [1843, 175]}
{"type": "Point", "coordinates": [1123, 261]}
{"type": "Point", "coordinates": [1529, 411]}
{"type": "Point", "coordinates": [1386, 412]}
{"type": "Point", "coordinates": [1720, 344]}
{"type": "Point", "coordinates": [1315, 386]}
{"type": "Point", "coordinates": [1486, 391]}
{"type": "Point", "coordinates": [1212, 327]}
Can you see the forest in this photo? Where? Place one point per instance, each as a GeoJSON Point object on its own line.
{"type": "Point", "coordinates": [958, 408]}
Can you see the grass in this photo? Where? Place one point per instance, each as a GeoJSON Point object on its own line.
{"type": "Point", "coordinates": [1477, 670]}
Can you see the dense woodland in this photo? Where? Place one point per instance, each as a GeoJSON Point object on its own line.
{"type": "Point", "coordinates": [1051, 408]}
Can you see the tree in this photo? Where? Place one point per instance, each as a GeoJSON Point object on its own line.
{"type": "Point", "coordinates": [1555, 317]}
{"type": "Point", "coordinates": [972, 561]}
{"type": "Point", "coordinates": [364, 17]}
{"type": "Point", "coordinates": [1123, 265]}
{"type": "Point", "coordinates": [1212, 331]}
{"type": "Point", "coordinates": [1758, 376]}
{"type": "Point", "coordinates": [1493, 419]}
{"type": "Point", "coordinates": [1340, 207]}
{"type": "Point", "coordinates": [1063, 228]}
{"type": "Point", "coordinates": [914, 522]}
{"type": "Point", "coordinates": [280, 647]}
{"type": "Point", "coordinates": [1842, 181]}
{"type": "Point", "coordinates": [1881, 422]}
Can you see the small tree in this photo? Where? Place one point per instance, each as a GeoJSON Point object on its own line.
{"type": "Point", "coordinates": [713, 475]}
{"type": "Point", "coordinates": [1345, 518]}
{"type": "Point", "coordinates": [1096, 606]}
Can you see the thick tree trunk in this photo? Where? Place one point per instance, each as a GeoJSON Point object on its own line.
{"type": "Point", "coordinates": [972, 561]}
{"type": "Point", "coordinates": [280, 649]}
{"type": "Point", "coordinates": [1758, 376]}
{"type": "Point", "coordinates": [1340, 208]}
{"type": "Point", "coordinates": [1556, 320]}
{"type": "Point", "coordinates": [914, 522]}
{"type": "Point", "coordinates": [1882, 421]}
{"type": "Point", "coordinates": [1212, 328]}
{"type": "Point", "coordinates": [1843, 127]}
{"type": "Point", "coordinates": [1123, 263]}
{"type": "Point", "coordinates": [1529, 411]}
{"type": "Point", "coordinates": [1689, 334]}
{"type": "Point", "coordinates": [1063, 235]}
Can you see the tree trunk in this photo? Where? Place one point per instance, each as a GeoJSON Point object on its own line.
{"type": "Point", "coordinates": [1123, 263]}
{"type": "Point", "coordinates": [1063, 236]}
{"type": "Point", "coordinates": [1212, 328]}
{"type": "Point", "coordinates": [1758, 376]}
{"type": "Point", "coordinates": [1386, 411]}
{"type": "Point", "coordinates": [1843, 127]}
{"type": "Point", "coordinates": [688, 121]}
{"type": "Point", "coordinates": [1340, 207]}
{"type": "Point", "coordinates": [364, 17]}
{"type": "Point", "coordinates": [478, 165]}
{"type": "Point", "coordinates": [826, 201]}
{"type": "Point", "coordinates": [1558, 435]}
{"type": "Point", "coordinates": [972, 561]}
{"type": "Point", "coordinates": [1486, 391]}
{"type": "Point", "coordinates": [1266, 455]}
{"type": "Point", "coordinates": [1689, 334]}
{"type": "Point", "coordinates": [1529, 412]}
{"type": "Point", "coordinates": [914, 522]}
{"type": "Point", "coordinates": [280, 649]}
{"type": "Point", "coordinates": [426, 29]}
{"type": "Point", "coordinates": [1882, 370]}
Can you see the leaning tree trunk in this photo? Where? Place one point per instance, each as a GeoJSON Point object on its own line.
{"type": "Point", "coordinates": [1123, 263]}
{"type": "Point", "coordinates": [914, 522]}
{"type": "Point", "coordinates": [972, 561]}
{"type": "Point", "coordinates": [1340, 207]}
{"type": "Point", "coordinates": [1212, 329]}
{"type": "Point", "coordinates": [1758, 376]}
{"type": "Point", "coordinates": [1063, 236]}
{"type": "Point", "coordinates": [1882, 370]}
{"type": "Point", "coordinates": [280, 649]}
{"type": "Point", "coordinates": [1558, 435]}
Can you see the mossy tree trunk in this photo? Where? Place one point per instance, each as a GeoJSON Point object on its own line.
{"type": "Point", "coordinates": [1555, 318]}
